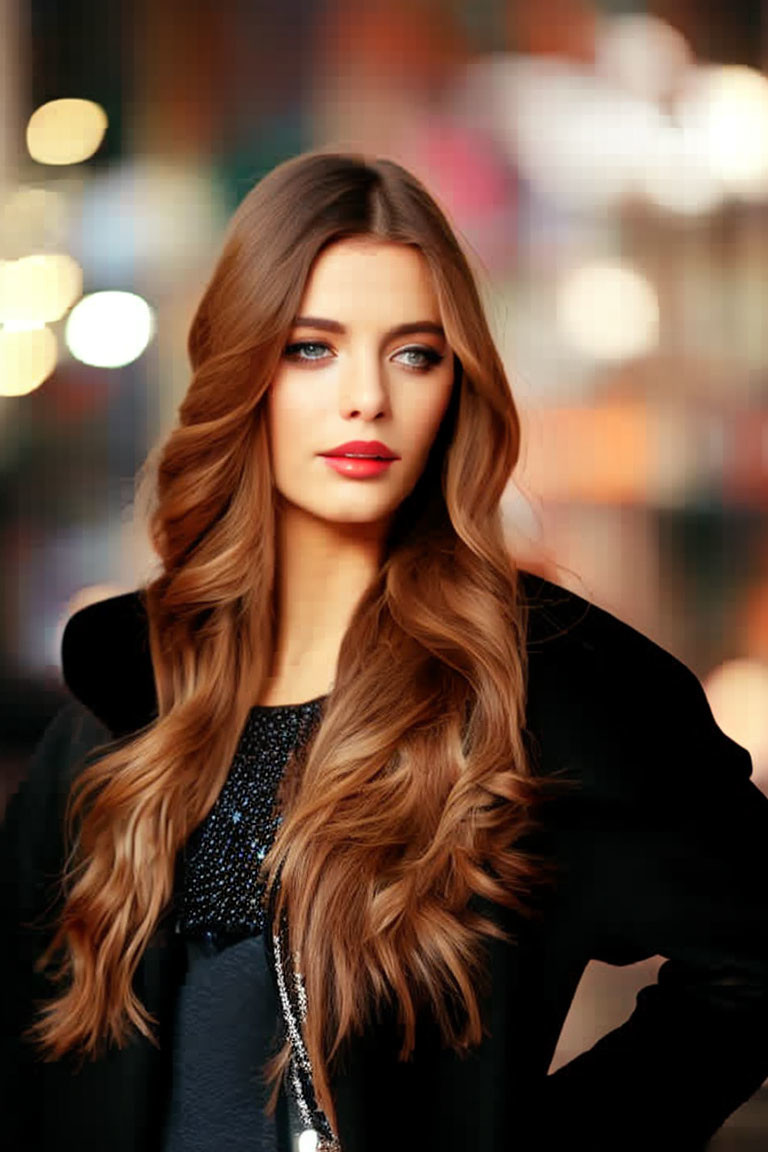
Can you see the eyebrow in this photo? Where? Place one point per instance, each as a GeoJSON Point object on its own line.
{"type": "Point", "coordinates": [399, 330]}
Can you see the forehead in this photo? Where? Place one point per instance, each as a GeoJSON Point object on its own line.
{"type": "Point", "coordinates": [355, 275]}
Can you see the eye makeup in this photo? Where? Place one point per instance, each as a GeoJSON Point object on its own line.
{"type": "Point", "coordinates": [431, 357]}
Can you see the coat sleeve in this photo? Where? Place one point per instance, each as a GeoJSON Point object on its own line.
{"type": "Point", "coordinates": [32, 854]}
{"type": "Point", "coordinates": [677, 868]}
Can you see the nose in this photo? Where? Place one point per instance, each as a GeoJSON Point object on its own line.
{"type": "Point", "coordinates": [363, 387]}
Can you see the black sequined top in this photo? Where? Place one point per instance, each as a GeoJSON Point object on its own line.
{"type": "Point", "coordinates": [228, 1013]}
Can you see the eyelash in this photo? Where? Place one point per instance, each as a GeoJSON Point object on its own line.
{"type": "Point", "coordinates": [291, 353]}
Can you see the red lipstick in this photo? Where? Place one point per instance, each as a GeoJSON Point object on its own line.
{"type": "Point", "coordinates": [362, 448]}
{"type": "Point", "coordinates": [359, 459]}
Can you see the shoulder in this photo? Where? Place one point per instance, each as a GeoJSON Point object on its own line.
{"type": "Point", "coordinates": [610, 706]}
{"type": "Point", "coordinates": [106, 661]}
{"type": "Point", "coordinates": [95, 630]}
{"type": "Point", "coordinates": [573, 632]}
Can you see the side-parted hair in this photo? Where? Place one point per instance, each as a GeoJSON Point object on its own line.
{"type": "Point", "coordinates": [416, 788]}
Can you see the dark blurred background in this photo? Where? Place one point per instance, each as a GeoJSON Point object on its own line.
{"type": "Point", "coordinates": [607, 167]}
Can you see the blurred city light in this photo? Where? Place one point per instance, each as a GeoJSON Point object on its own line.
{"type": "Point", "coordinates": [642, 53]}
{"type": "Point", "coordinates": [65, 131]}
{"type": "Point", "coordinates": [578, 138]}
{"type": "Point", "coordinates": [678, 176]}
{"type": "Point", "coordinates": [724, 110]}
{"type": "Point", "coordinates": [37, 289]}
{"type": "Point", "coordinates": [167, 213]}
{"type": "Point", "coordinates": [33, 219]}
{"type": "Point", "coordinates": [109, 329]}
{"type": "Point", "coordinates": [646, 120]}
{"type": "Point", "coordinates": [608, 311]}
{"type": "Point", "coordinates": [27, 358]}
{"type": "Point", "coordinates": [601, 454]}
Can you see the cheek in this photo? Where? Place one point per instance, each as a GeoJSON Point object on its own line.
{"type": "Point", "coordinates": [273, 420]}
{"type": "Point", "coordinates": [430, 415]}
{"type": "Point", "coordinates": [288, 415]}
{"type": "Point", "coordinates": [281, 430]}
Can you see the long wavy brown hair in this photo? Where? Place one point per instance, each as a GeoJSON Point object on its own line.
{"type": "Point", "coordinates": [416, 789]}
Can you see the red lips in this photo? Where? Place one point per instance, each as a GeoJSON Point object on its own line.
{"type": "Point", "coordinates": [362, 448]}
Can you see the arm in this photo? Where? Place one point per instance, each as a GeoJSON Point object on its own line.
{"type": "Point", "coordinates": [679, 869]}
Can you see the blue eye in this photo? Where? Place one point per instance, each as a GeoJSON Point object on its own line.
{"type": "Point", "coordinates": [429, 356]}
{"type": "Point", "coordinates": [293, 349]}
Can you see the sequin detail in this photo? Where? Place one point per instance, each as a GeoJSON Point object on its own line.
{"type": "Point", "coordinates": [221, 900]}
{"type": "Point", "coordinates": [220, 896]}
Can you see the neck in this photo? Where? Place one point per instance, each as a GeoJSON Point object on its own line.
{"type": "Point", "coordinates": [323, 570]}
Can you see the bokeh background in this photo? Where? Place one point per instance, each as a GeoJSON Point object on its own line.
{"type": "Point", "coordinates": [606, 165]}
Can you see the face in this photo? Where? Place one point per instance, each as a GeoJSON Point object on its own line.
{"type": "Point", "coordinates": [348, 374]}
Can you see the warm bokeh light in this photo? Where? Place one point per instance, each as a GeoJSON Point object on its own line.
{"type": "Point", "coordinates": [738, 694]}
{"type": "Point", "coordinates": [645, 120]}
{"type": "Point", "coordinates": [33, 219]}
{"type": "Point", "coordinates": [602, 454]}
{"type": "Point", "coordinates": [109, 329]}
{"type": "Point", "coordinates": [35, 290]}
{"type": "Point", "coordinates": [167, 212]}
{"type": "Point", "coordinates": [642, 53]}
{"type": "Point", "coordinates": [65, 131]}
{"type": "Point", "coordinates": [27, 358]}
{"type": "Point", "coordinates": [578, 138]}
{"type": "Point", "coordinates": [724, 109]}
{"type": "Point", "coordinates": [608, 311]}
{"type": "Point", "coordinates": [677, 176]}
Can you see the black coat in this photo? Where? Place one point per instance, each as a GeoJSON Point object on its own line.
{"type": "Point", "coordinates": [662, 850]}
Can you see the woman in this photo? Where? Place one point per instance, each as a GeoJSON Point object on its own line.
{"type": "Point", "coordinates": [351, 799]}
